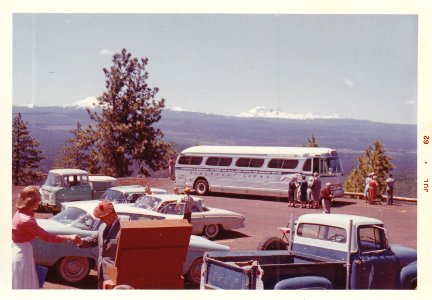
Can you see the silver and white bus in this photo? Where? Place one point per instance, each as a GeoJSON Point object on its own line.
{"type": "Point", "coordinates": [255, 170]}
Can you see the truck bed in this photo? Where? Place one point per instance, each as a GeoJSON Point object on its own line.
{"type": "Point", "coordinates": [240, 270]}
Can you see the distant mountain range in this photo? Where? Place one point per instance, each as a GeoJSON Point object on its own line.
{"type": "Point", "coordinates": [259, 126]}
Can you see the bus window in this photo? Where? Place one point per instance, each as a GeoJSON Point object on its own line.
{"type": "Point", "coordinates": [212, 161]}
{"type": "Point", "coordinates": [275, 163]}
{"type": "Point", "coordinates": [282, 163]}
{"type": "Point", "coordinates": [190, 160]}
{"type": "Point", "coordinates": [334, 164]}
{"type": "Point", "coordinates": [243, 162]}
{"type": "Point", "coordinates": [316, 165]}
{"type": "Point", "coordinates": [196, 160]}
{"type": "Point", "coordinates": [307, 167]}
{"type": "Point", "coordinates": [218, 161]}
{"type": "Point", "coordinates": [290, 164]}
{"type": "Point", "coordinates": [324, 167]}
{"type": "Point", "coordinates": [225, 161]}
{"type": "Point", "coordinates": [250, 162]}
{"type": "Point", "coordinates": [256, 162]}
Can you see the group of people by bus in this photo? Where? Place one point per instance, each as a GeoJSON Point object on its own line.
{"type": "Point", "coordinates": [309, 193]}
{"type": "Point", "coordinates": [372, 187]}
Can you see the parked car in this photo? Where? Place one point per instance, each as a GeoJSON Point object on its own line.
{"type": "Point", "coordinates": [208, 221]}
{"type": "Point", "coordinates": [128, 193]}
{"type": "Point", "coordinates": [66, 185]}
{"type": "Point", "coordinates": [73, 264]}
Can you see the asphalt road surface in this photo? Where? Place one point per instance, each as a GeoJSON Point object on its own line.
{"type": "Point", "coordinates": [264, 216]}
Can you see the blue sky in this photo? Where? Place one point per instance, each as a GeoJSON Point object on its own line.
{"type": "Point", "coordinates": [358, 66]}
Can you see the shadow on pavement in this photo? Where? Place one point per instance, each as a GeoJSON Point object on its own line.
{"type": "Point", "coordinates": [230, 234]}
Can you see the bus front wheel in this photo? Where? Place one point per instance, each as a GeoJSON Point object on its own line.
{"type": "Point", "coordinates": [201, 187]}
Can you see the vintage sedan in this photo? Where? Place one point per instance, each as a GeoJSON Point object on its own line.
{"type": "Point", "coordinates": [207, 221]}
{"type": "Point", "coordinates": [73, 264]}
{"type": "Point", "coordinates": [128, 193]}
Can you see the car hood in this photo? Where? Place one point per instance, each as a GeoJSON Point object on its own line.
{"type": "Point", "coordinates": [55, 227]}
{"type": "Point", "coordinates": [203, 244]}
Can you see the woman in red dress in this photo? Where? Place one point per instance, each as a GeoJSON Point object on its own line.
{"type": "Point", "coordinates": [373, 188]}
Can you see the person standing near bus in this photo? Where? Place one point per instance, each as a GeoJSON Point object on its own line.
{"type": "Point", "coordinates": [366, 189]}
{"type": "Point", "coordinates": [326, 196]}
{"type": "Point", "coordinates": [292, 186]}
{"type": "Point", "coordinates": [389, 185]}
{"type": "Point", "coordinates": [303, 191]}
{"type": "Point", "coordinates": [316, 190]}
{"type": "Point", "coordinates": [372, 190]}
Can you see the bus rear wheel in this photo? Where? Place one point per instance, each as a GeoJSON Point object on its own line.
{"type": "Point", "coordinates": [201, 187]}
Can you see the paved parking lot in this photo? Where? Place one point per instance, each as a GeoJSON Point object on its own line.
{"type": "Point", "coordinates": [264, 216]}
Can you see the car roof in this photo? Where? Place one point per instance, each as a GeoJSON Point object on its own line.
{"type": "Point", "coordinates": [134, 189]}
{"type": "Point", "coordinates": [168, 197]}
{"type": "Point", "coordinates": [68, 172]}
{"type": "Point", "coordinates": [89, 206]}
{"type": "Point", "coordinates": [339, 220]}
{"type": "Point", "coordinates": [101, 178]}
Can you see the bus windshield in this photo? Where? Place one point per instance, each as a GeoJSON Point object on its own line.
{"type": "Point", "coordinates": [332, 165]}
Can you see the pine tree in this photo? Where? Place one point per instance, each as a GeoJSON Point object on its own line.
{"type": "Point", "coordinates": [25, 155]}
{"type": "Point", "coordinates": [79, 152]}
{"type": "Point", "coordinates": [374, 160]}
{"type": "Point", "coordinates": [124, 135]}
{"type": "Point", "coordinates": [311, 142]}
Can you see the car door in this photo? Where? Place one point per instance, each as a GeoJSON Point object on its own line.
{"type": "Point", "coordinates": [198, 217]}
{"type": "Point", "coordinates": [375, 265]}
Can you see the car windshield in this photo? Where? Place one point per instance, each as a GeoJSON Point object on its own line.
{"type": "Point", "coordinates": [76, 217]}
{"type": "Point", "coordinates": [147, 202]}
{"type": "Point", "coordinates": [113, 195]}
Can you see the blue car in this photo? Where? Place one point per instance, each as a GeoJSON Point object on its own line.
{"type": "Point", "coordinates": [73, 264]}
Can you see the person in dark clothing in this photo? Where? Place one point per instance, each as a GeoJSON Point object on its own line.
{"type": "Point", "coordinates": [303, 191]}
{"type": "Point", "coordinates": [105, 238]}
{"type": "Point", "coordinates": [389, 187]}
{"type": "Point", "coordinates": [292, 186]}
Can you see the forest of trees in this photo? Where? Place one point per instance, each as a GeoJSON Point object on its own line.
{"type": "Point", "coordinates": [25, 154]}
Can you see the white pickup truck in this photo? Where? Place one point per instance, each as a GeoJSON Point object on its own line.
{"type": "Point", "coordinates": [328, 251]}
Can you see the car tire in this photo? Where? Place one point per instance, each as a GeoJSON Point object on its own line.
{"type": "Point", "coordinates": [193, 276]}
{"type": "Point", "coordinates": [272, 243]}
{"type": "Point", "coordinates": [73, 269]}
{"type": "Point", "coordinates": [201, 187]}
{"type": "Point", "coordinates": [211, 231]}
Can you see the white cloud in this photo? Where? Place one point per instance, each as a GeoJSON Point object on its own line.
{"type": "Point", "coordinates": [410, 102]}
{"type": "Point", "coordinates": [106, 52]}
{"type": "Point", "coordinates": [347, 82]}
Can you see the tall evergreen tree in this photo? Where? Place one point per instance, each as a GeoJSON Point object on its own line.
{"type": "Point", "coordinates": [79, 152]}
{"type": "Point", "coordinates": [124, 134]}
{"type": "Point", "coordinates": [312, 142]}
{"type": "Point", "coordinates": [25, 154]}
{"type": "Point", "coordinates": [374, 160]}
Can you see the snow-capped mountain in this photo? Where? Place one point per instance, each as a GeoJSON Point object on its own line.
{"type": "Point", "coordinates": [89, 102]}
{"type": "Point", "coordinates": [264, 112]}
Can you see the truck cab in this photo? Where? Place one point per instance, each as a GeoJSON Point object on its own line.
{"type": "Point", "coordinates": [66, 185]}
{"type": "Point", "coordinates": [326, 251]}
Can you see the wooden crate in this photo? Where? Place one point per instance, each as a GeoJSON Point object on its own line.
{"type": "Point", "coordinates": [150, 254]}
